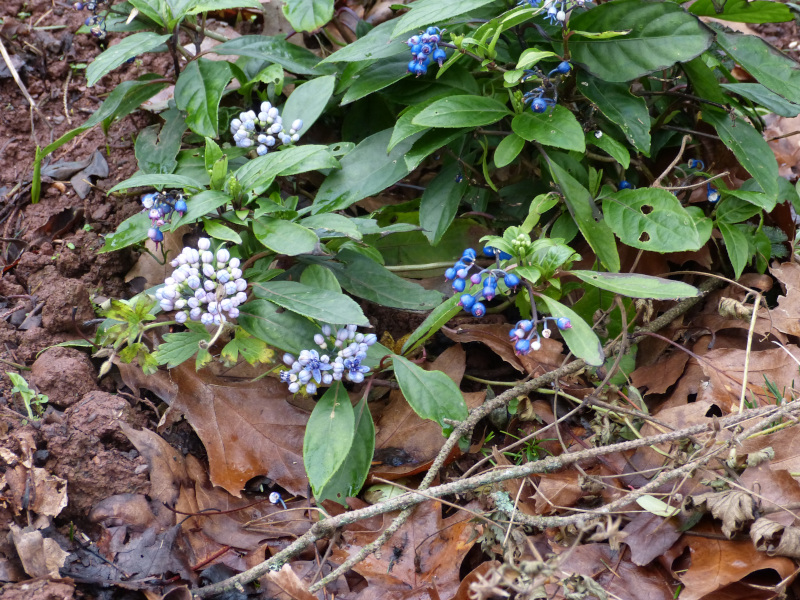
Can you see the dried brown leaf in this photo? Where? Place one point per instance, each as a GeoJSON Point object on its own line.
{"type": "Point", "coordinates": [662, 374]}
{"type": "Point", "coordinates": [733, 507]}
{"type": "Point", "coordinates": [290, 583]}
{"type": "Point", "coordinates": [40, 556]}
{"type": "Point", "coordinates": [775, 539]}
{"type": "Point", "coordinates": [649, 536]}
{"type": "Point", "coordinates": [248, 428]}
{"type": "Point", "coordinates": [786, 316]}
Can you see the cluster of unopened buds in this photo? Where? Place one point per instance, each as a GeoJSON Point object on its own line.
{"type": "Point", "coordinates": [537, 97]}
{"type": "Point", "coordinates": [263, 130]}
{"type": "Point", "coordinates": [424, 49]}
{"type": "Point", "coordinates": [525, 335]}
{"type": "Point", "coordinates": [557, 10]}
{"type": "Point", "coordinates": [205, 286]}
{"type": "Point", "coordinates": [160, 207]}
{"type": "Point", "coordinates": [458, 273]}
{"type": "Point", "coordinates": [312, 368]}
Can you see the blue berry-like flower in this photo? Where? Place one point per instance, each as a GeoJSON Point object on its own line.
{"type": "Point", "coordinates": [478, 309]}
{"type": "Point", "coordinates": [712, 194]}
{"type": "Point", "coordinates": [625, 185]}
{"type": "Point", "coordinates": [563, 323]}
{"type": "Point", "coordinates": [459, 285]}
{"type": "Point", "coordinates": [511, 280]}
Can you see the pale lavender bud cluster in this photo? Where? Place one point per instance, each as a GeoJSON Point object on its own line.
{"type": "Point", "coordinates": [205, 286]}
{"type": "Point", "coordinates": [311, 368]}
{"type": "Point", "coordinates": [263, 130]}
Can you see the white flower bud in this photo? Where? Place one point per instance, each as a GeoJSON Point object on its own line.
{"type": "Point", "coordinates": [207, 256]}
{"type": "Point", "coordinates": [180, 317]}
{"type": "Point", "coordinates": [297, 124]}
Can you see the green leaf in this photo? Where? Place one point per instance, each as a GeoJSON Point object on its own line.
{"type": "Point", "coordinates": [215, 5]}
{"type": "Point", "coordinates": [735, 210]}
{"type": "Point", "coordinates": [129, 47]}
{"type": "Point", "coordinates": [404, 126]}
{"type": "Point", "coordinates": [440, 201]}
{"type": "Point", "coordinates": [376, 44]}
{"type": "Point", "coordinates": [273, 49]}
{"type": "Point", "coordinates": [428, 143]}
{"type": "Point", "coordinates": [507, 150]}
{"type": "Point", "coordinates": [766, 98]}
{"type": "Point", "coordinates": [153, 180]}
{"type": "Point", "coordinates": [329, 436]}
{"type": "Point", "coordinates": [558, 128]}
{"type": "Point", "coordinates": [198, 92]}
{"type": "Point", "coordinates": [611, 146]}
{"type": "Point", "coordinates": [381, 74]}
{"type": "Point", "coordinates": [531, 56]}
{"type": "Point", "coordinates": [308, 15]}
{"type": "Point", "coordinates": [131, 231]}
{"type": "Point", "coordinates": [621, 107]}
{"type": "Point", "coordinates": [653, 219]}
{"type": "Point", "coordinates": [432, 323]}
{"type": "Point", "coordinates": [365, 171]}
{"type": "Point", "coordinates": [736, 245]}
{"type": "Point", "coordinates": [218, 231]}
{"type": "Point", "coordinates": [282, 329]}
{"type": "Point", "coordinates": [634, 285]}
{"type": "Point", "coordinates": [200, 205]}
{"type": "Point", "coordinates": [152, 9]}
{"type": "Point", "coordinates": [332, 225]}
{"type": "Point", "coordinates": [365, 278]}
{"type": "Point", "coordinates": [602, 35]}
{"type": "Point", "coordinates": [285, 237]}
{"type": "Point", "coordinates": [157, 146]}
{"type": "Point", "coordinates": [257, 175]}
{"type": "Point", "coordinates": [662, 33]}
{"type": "Point", "coordinates": [771, 68]}
{"type": "Point", "coordinates": [743, 11]}
{"type": "Point", "coordinates": [432, 394]}
{"type": "Point", "coordinates": [322, 305]}
{"type": "Point", "coordinates": [308, 101]}
{"type": "Point", "coordinates": [582, 341]}
{"type": "Point", "coordinates": [657, 506]}
{"type": "Point", "coordinates": [317, 276]}
{"type": "Point", "coordinates": [583, 209]}
{"type": "Point", "coordinates": [177, 348]}
{"type": "Point", "coordinates": [428, 12]}
{"type": "Point", "coordinates": [749, 147]}
{"type": "Point", "coordinates": [462, 111]}
{"type": "Point", "coordinates": [351, 475]}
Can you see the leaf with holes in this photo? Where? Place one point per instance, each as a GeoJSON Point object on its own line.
{"type": "Point", "coordinates": [653, 219]}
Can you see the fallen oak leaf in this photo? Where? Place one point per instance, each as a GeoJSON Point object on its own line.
{"type": "Point", "coordinates": [733, 507]}
{"type": "Point", "coordinates": [775, 539]}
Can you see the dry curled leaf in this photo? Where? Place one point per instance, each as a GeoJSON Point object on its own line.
{"type": "Point", "coordinates": [775, 539]}
{"type": "Point", "coordinates": [733, 507]}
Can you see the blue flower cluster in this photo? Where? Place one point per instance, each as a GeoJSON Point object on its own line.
{"type": "Point", "coordinates": [424, 48]}
{"type": "Point", "coordinates": [537, 97]}
{"type": "Point", "coordinates": [311, 368]}
{"type": "Point", "coordinates": [557, 10]}
{"type": "Point", "coordinates": [204, 286]}
{"type": "Point", "coordinates": [472, 302]}
{"type": "Point", "coordinates": [95, 23]}
{"type": "Point", "coordinates": [160, 206]}
{"type": "Point", "coordinates": [263, 130]}
{"type": "Point", "coordinates": [525, 335]}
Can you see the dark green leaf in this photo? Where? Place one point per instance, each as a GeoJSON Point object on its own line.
{"type": "Point", "coordinates": [329, 436]}
{"type": "Point", "coordinates": [440, 201]}
{"type": "Point", "coordinates": [308, 101]}
{"type": "Point", "coordinates": [634, 285]}
{"type": "Point", "coordinates": [462, 111]}
{"type": "Point", "coordinates": [748, 146]}
{"type": "Point", "coordinates": [376, 44]}
{"type": "Point", "coordinates": [735, 210]}
{"type": "Point", "coordinates": [365, 171]}
{"type": "Point", "coordinates": [198, 92]}
{"type": "Point", "coordinates": [381, 74]}
{"type": "Point", "coordinates": [258, 174]}
{"type": "Point", "coordinates": [558, 128]}
{"type": "Point", "coordinates": [653, 219]}
{"type": "Point", "coordinates": [764, 62]}
{"type": "Point", "coordinates": [215, 5]}
{"type": "Point", "coordinates": [432, 323]}
{"type": "Point", "coordinates": [129, 46]}
{"type": "Point", "coordinates": [431, 12]}
{"type": "Point", "coordinates": [507, 150]}
{"type": "Point", "coordinates": [322, 305]}
{"type": "Point", "coordinates": [621, 107]}
{"type": "Point", "coordinates": [157, 147]}
{"type": "Point", "coordinates": [736, 245]}
{"type": "Point", "coordinates": [766, 98]}
{"type": "Point", "coordinates": [432, 394]}
{"type": "Point", "coordinates": [662, 33]}
{"type": "Point", "coordinates": [282, 329]}
{"type": "Point", "coordinates": [582, 341]}
{"type": "Point", "coordinates": [218, 231]}
{"type": "Point", "coordinates": [317, 276]}
{"type": "Point", "coordinates": [272, 49]}
{"type": "Point", "coordinates": [743, 11]}
{"type": "Point", "coordinates": [285, 237]}
{"type": "Point", "coordinates": [350, 477]}
{"type": "Point", "coordinates": [583, 209]}
{"type": "Point", "coordinates": [200, 205]}
{"type": "Point", "coordinates": [611, 146]}
{"type": "Point", "coordinates": [333, 225]}
{"type": "Point", "coordinates": [428, 143]}
{"type": "Point", "coordinates": [367, 279]}
{"type": "Point", "coordinates": [152, 180]}
{"type": "Point", "coordinates": [131, 231]}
